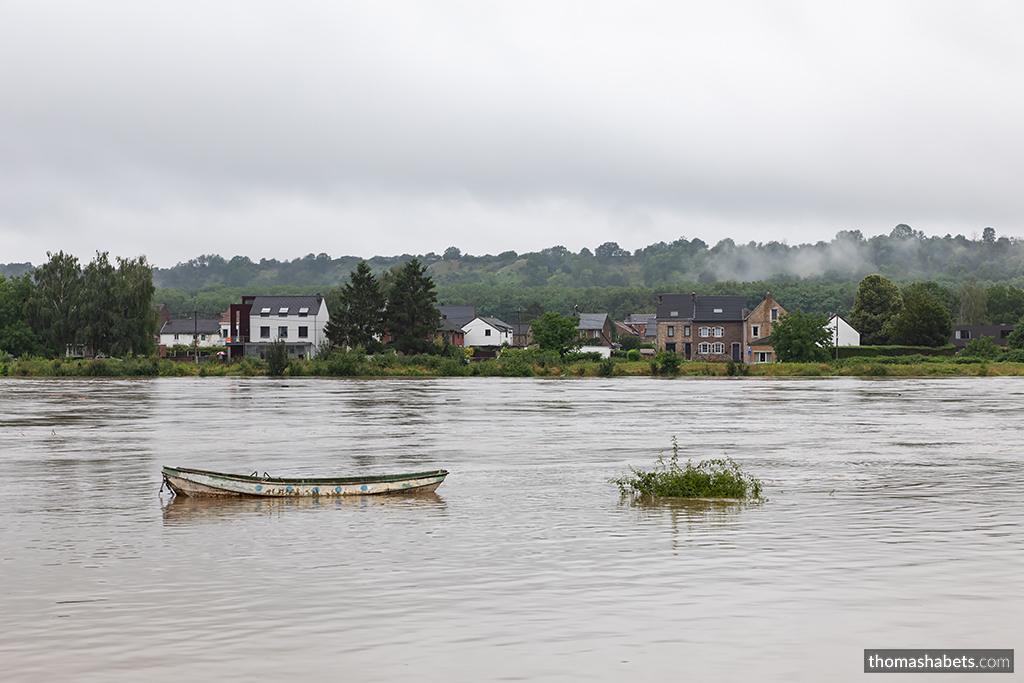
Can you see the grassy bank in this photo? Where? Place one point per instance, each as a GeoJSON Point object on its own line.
{"type": "Point", "coordinates": [510, 364]}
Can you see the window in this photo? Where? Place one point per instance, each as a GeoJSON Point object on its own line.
{"type": "Point", "coordinates": [670, 346]}
{"type": "Point", "coordinates": [703, 347]}
{"type": "Point", "coordinates": [283, 311]}
{"type": "Point", "coordinates": [963, 334]}
{"type": "Point", "coordinates": [303, 331]}
{"type": "Point", "coordinates": [718, 310]}
{"type": "Point", "coordinates": [303, 312]}
{"type": "Point", "coordinates": [282, 331]}
{"type": "Point", "coordinates": [686, 330]}
{"type": "Point", "coordinates": [719, 331]}
{"type": "Point", "coordinates": [764, 357]}
{"type": "Point", "coordinates": [755, 331]}
{"type": "Point", "coordinates": [265, 313]}
{"type": "Point", "coordinates": [671, 330]}
{"type": "Point", "coordinates": [1003, 334]}
{"type": "Point", "coordinates": [176, 337]}
{"type": "Point", "coordinates": [673, 314]}
{"type": "Point", "coordinates": [202, 337]}
{"type": "Point", "coordinates": [265, 332]}
{"type": "Point", "coordinates": [704, 332]}
{"type": "Point", "coordinates": [487, 333]}
{"type": "Point", "coordinates": [718, 348]}
{"type": "Point", "coordinates": [775, 314]}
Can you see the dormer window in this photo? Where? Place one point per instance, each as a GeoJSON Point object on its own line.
{"type": "Point", "coordinates": [718, 310]}
{"type": "Point", "coordinates": [674, 314]}
{"type": "Point", "coordinates": [265, 313]}
{"type": "Point", "coordinates": [303, 312]}
{"type": "Point", "coordinates": [283, 311]}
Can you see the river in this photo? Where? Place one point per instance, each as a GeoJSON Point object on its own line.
{"type": "Point", "coordinates": [894, 519]}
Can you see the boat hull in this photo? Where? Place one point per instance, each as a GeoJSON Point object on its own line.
{"type": "Point", "coordinates": [201, 483]}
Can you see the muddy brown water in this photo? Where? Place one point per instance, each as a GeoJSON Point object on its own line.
{"type": "Point", "coordinates": [893, 520]}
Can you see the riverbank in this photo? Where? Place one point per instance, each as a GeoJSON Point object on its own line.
{"type": "Point", "coordinates": [508, 365]}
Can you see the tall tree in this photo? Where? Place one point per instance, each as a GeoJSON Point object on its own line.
{"type": "Point", "coordinates": [134, 325]}
{"type": "Point", "coordinates": [801, 338]}
{"type": "Point", "coordinates": [357, 318]}
{"type": "Point", "coordinates": [922, 322]}
{"type": "Point", "coordinates": [973, 309]}
{"type": "Point", "coordinates": [878, 300]}
{"type": "Point", "coordinates": [933, 291]}
{"type": "Point", "coordinates": [96, 312]}
{"type": "Point", "coordinates": [556, 332]}
{"type": "Point", "coordinates": [1004, 305]}
{"type": "Point", "coordinates": [410, 313]}
{"type": "Point", "coordinates": [16, 335]}
{"type": "Point", "coordinates": [53, 306]}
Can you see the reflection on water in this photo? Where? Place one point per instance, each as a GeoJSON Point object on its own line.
{"type": "Point", "coordinates": [893, 520]}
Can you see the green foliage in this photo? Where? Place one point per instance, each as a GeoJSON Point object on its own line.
{"type": "Point", "coordinates": [922, 322]}
{"type": "Point", "coordinates": [16, 335]}
{"type": "Point", "coordinates": [982, 347]}
{"type": "Point", "coordinates": [1016, 338]}
{"type": "Point", "coordinates": [1004, 305]}
{"type": "Point", "coordinates": [516, 363]}
{"type": "Point", "coordinates": [668, 363]}
{"type": "Point", "coordinates": [1013, 356]}
{"type": "Point", "coordinates": [277, 359]}
{"type": "Point", "coordinates": [357, 311]}
{"type": "Point", "coordinates": [340, 363]}
{"type": "Point", "coordinates": [890, 350]}
{"type": "Point", "coordinates": [973, 304]}
{"type": "Point", "coordinates": [802, 338]}
{"type": "Point", "coordinates": [606, 368]}
{"type": "Point", "coordinates": [633, 355]}
{"type": "Point", "coordinates": [734, 369]}
{"type": "Point", "coordinates": [628, 342]}
{"type": "Point", "coordinates": [878, 300]}
{"type": "Point", "coordinates": [716, 478]}
{"type": "Point", "coordinates": [935, 292]}
{"type": "Point", "coordinates": [556, 332]}
{"type": "Point", "coordinates": [410, 314]}
{"type": "Point", "coordinates": [53, 306]}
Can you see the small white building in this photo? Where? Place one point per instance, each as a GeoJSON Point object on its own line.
{"type": "Point", "coordinates": [191, 332]}
{"type": "Point", "coordinates": [843, 333]}
{"type": "Point", "coordinates": [487, 332]}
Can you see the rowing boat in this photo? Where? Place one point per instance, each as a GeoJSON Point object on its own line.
{"type": "Point", "coordinates": [190, 482]}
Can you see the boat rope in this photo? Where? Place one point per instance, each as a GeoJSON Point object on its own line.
{"type": "Point", "coordinates": [168, 485]}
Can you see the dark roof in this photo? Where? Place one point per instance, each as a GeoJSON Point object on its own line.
{"type": "Point", "coordinates": [640, 319]}
{"type": "Point", "coordinates": [459, 315]}
{"type": "Point", "coordinates": [448, 326]}
{"type": "Point", "coordinates": [679, 304]}
{"type": "Point", "coordinates": [724, 308]}
{"type": "Point", "coordinates": [494, 322]}
{"type": "Point", "coordinates": [292, 303]}
{"type": "Point", "coordinates": [592, 321]}
{"type": "Point", "coordinates": [521, 328]}
{"type": "Point", "coordinates": [190, 326]}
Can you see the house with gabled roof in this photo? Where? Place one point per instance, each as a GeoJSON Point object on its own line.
{"type": "Point", "coordinates": [594, 329]}
{"type": "Point", "coordinates": [259, 321]}
{"type": "Point", "coordinates": [487, 332]}
{"type": "Point", "coordinates": [702, 327]}
{"type": "Point", "coordinates": [191, 332]}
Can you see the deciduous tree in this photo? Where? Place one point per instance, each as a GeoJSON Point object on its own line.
{"type": "Point", "coordinates": [555, 332]}
{"type": "Point", "coordinates": [922, 322]}
{"type": "Point", "coordinates": [16, 336]}
{"type": "Point", "coordinates": [801, 338]}
{"type": "Point", "coordinates": [878, 300]}
{"type": "Point", "coordinates": [53, 306]}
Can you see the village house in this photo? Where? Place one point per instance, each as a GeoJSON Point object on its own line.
{"type": "Point", "coordinates": [716, 328]}
{"type": "Point", "coordinates": [259, 321]}
{"type": "Point", "coordinates": [200, 332]}
{"type": "Point", "coordinates": [594, 329]}
{"type": "Point", "coordinates": [842, 332]}
{"type": "Point", "coordinates": [487, 332]}
{"type": "Point", "coordinates": [963, 334]}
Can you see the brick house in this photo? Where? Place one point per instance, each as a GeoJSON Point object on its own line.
{"type": "Point", "coordinates": [717, 328]}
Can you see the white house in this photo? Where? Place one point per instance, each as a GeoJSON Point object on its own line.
{"type": "Point", "coordinates": [298, 321]}
{"type": "Point", "coordinates": [487, 332]}
{"type": "Point", "coordinates": [843, 333]}
{"type": "Point", "coordinates": [191, 332]}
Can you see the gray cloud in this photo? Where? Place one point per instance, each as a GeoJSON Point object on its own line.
{"type": "Point", "coordinates": [178, 128]}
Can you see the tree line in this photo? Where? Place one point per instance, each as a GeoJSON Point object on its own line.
{"type": "Point", "coordinates": [106, 307]}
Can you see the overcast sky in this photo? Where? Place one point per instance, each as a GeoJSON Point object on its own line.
{"type": "Point", "coordinates": [277, 129]}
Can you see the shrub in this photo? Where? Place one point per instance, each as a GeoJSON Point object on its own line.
{"type": "Point", "coordinates": [277, 359]}
{"type": "Point", "coordinates": [606, 368]}
{"type": "Point", "coordinates": [982, 347]}
{"type": "Point", "coordinates": [633, 355]}
{"type": "Point", "coordinates": [1014, 356]}
{"type": "Point", "coordinates": [453, 367]}
{"type": "Point", "coordinates": [717, 478]}
{"type": "Point", "coordinates": [515, 363]}
{"type": "Point", "coordinates": [670, 362]}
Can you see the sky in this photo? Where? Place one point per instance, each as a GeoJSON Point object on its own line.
{"type": "Point", "coordinates": [274, 130]}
